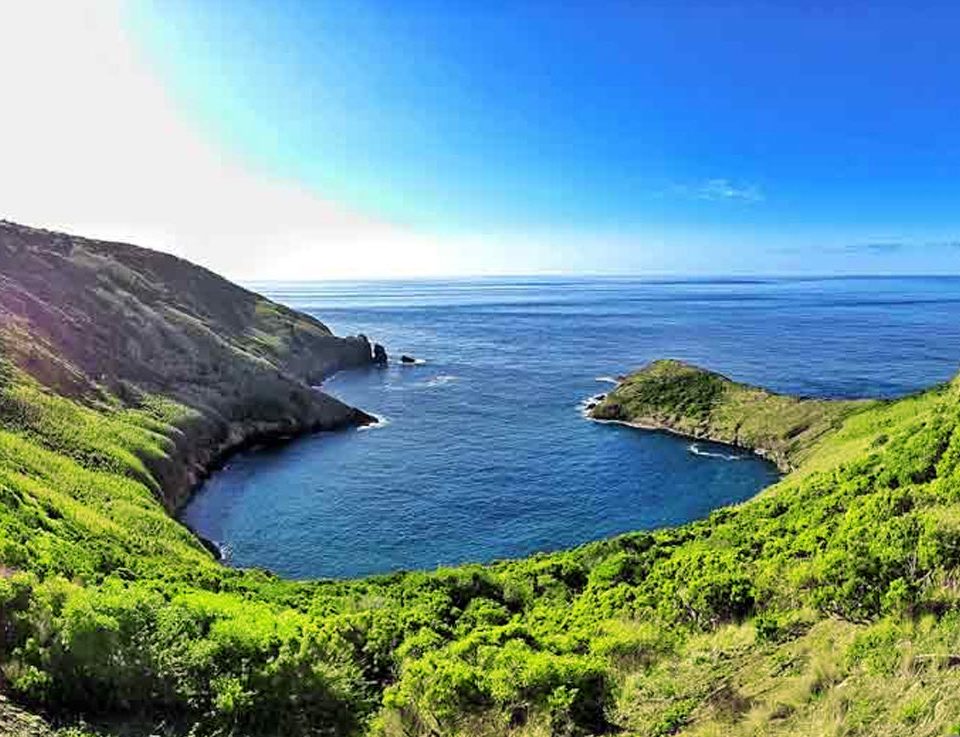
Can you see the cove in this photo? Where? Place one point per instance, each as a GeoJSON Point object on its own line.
{"type": "Point", "coordinates": [483, 452]}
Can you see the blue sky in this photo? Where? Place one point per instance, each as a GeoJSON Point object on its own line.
{"type": "Point", "coordinates": [598, 137]}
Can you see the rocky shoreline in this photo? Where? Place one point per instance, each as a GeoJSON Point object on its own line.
{"type": "Point", "coordinates": [201, 456]}
{"type": "Point", "coordinates": [763, 453]}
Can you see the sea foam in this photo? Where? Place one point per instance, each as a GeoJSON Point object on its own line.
{"type": "Point", "coordinates": [695, 449]}
{"type": "Point", "coordinates": [381, 421]}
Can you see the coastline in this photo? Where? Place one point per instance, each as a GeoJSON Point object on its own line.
{"type": "Point", "coordinates": [588, 405]}
{"type": "Point", "coordinates": [762, 453]}
{"type": "Point", "coordinates": [215, 367]}
{"type": "Point", "coordinates": [698, 404]}
{"type": "Point", "coordinates": [211, 460]}
{"type": "Point", "coordinates": [358, 420]}
{"type": "Point", "coordinates": [126, 617]}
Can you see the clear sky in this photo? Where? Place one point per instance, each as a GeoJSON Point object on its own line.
{"type": "Point", "coordinates": [344, 139]}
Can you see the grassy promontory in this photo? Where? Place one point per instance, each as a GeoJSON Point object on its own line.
{"type": "Point", "coordinates": [688, 400]}
{"type": "Point", "coordinates": [827, 605]}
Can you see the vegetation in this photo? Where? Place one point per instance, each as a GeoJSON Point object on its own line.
{"type": "Point", "coordinates": [827, 605]}
{"type": "Point", "coordinates": [672, 395]}
{"type": "Point", "coordinates": [108, 323]}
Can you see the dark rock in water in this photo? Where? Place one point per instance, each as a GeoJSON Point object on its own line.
{"type": "Point", "coordinates": [362, 419]}
{"type": "Point", "coordinates": [407, 359]}
{"type": "Point", "coordinates": [591, 405]}
{"type": "Point", "coordinates": [379, 355]}
{"type": "Point", "coordinates": [211, 546]}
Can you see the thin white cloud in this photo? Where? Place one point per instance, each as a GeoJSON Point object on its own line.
{"type": "Point", "coordinates": [720, 190]}
{"type": "Point", "coordinates": [724, 189]}
{"type": "Point", "coordinates": [891, 247]}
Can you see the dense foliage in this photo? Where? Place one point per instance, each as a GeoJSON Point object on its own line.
{"type": "Point", "coordinates": [828, 604]}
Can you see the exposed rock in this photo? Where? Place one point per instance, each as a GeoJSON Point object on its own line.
{"type": "Point", "coordinates": [379, 355]}
{"type": "Point", "coordinates": [210, 545]}
{"type": "Point", "coordinates": [407, 359]}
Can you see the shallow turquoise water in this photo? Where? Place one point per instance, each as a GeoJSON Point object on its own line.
{"type": "Point", "coordinates": [484, 453]}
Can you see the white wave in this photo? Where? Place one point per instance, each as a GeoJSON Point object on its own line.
{"type": "Point", "coordinates": [415, 362]}
{"type": "Point", "coordinates": [607, 380]}
{"type": "Point", "coordinates": [381, 421]}
{"type": "Point", "coordinates": [695, 449]}
{"type": "Point", "coordinates": [585, 405]}
{"type": "Point", "coordinates": [442, 379]}
{"type": "Point", "coordinates": [226, 552]}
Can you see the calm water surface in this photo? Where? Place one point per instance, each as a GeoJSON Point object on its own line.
{"type": "Point", "coordinates": [483, 452]}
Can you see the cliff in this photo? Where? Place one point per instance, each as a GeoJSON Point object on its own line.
{"type": "Point", "coordinates": [111, 322]}
{"type": "Point", "coordinates": [678, 397]}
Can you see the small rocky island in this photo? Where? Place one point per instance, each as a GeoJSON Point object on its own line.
{"type": "Point", "coordinates": [681, 398]}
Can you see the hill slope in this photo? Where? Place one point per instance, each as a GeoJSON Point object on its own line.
{"type": "Point", "coordinates": [97, 321]}
{"type": "Point", "coordinates": [827, 605]}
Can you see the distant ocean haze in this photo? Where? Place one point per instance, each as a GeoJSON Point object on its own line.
{"type": "Point", "coordinates": [484, 452]}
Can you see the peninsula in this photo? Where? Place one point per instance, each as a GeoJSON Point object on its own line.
{"type": "Point", "coordinates": [684, 399]}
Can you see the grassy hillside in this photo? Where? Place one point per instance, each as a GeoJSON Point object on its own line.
{"type": "Point", "coordinates": [675, 396]}
{"type": "Point", "coordinates": [113, 324]}
{"type": "Point", "coordinates": [827, 605]}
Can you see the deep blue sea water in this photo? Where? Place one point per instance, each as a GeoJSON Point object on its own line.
{"type": "Point", "coordinates": [484, 453]}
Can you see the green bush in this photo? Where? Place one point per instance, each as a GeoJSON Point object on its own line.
{"type": "Point", "coordinates": [109, 607]}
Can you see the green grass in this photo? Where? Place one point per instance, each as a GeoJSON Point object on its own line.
{"type": "Point", "coordinates": [827, 605]}
{"type": "Point", "coordinates": [676, 396]}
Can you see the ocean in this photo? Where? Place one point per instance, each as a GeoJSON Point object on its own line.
{"type": "Point", "coordinates": [483, 452]}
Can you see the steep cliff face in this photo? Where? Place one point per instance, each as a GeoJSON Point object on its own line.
{"type": "Point", "coordinates": [105, 322]}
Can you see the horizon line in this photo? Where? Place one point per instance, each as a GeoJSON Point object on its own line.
{"type": "Point", "coordinates": [659, 276]}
